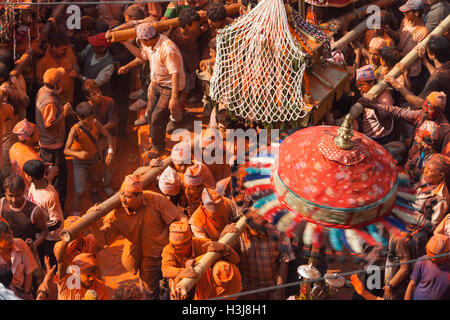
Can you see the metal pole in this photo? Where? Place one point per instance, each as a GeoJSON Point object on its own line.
{"type": "Point", "coordinates": [109, 204]}
{"type": "Point", "coordinates": [407, 60]}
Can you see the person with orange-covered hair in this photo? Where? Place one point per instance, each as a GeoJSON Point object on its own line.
{"type": "Point", "coordinates": [143, 220]}
{"type": "Point", "coordinates": [211, 216]}
{"type": "Point", "coordinates": [221, 280]}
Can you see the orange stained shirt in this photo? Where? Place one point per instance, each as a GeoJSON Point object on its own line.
{"type": "Point", "coordinates": [67, 61]}
{"type": "Point", "coordinates": [19, 154]}
{"type": "Point", "coordinates": [172, 264]}
{"type": "Point", "coordinates": [64, 293]}
{"type": "Point", "coordinates": [82, 142]}
{"type": "Point", "coordinates": [156, 213]}
{"type": "Point", "coordinates": [6, 114]}
{"type": "Point", "coordinates": [209, 225]}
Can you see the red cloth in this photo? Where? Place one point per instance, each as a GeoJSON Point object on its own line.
{"type": "Point", "coordinates": [311, 175]}
{"type": "Point", "coordinates": [99, 40]}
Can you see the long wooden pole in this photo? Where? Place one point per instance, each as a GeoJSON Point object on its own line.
{"type": "Point", "coordinates": [351, 35]}
{"type": "Point", "coordinates": [407, 60]}
{"type": "Point", "coordinates": [106, 206]}
{"type": "Point", "coordinates": [164, 25]}
{"type": "Point", "coordinates": [185, 285]}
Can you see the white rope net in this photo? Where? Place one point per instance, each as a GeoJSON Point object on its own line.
{"type": "Point", "coordinates": [259, 68]}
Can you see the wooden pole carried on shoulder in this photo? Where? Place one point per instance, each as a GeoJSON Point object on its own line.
{"type": "Point", "coordinates": [109, 204]}
{"type": "Point", "coordinates": [164, 25]}
{"type": "Point", "coordinates": [186, 285]}
{"type": "Point", "coordinates": [395, 72]}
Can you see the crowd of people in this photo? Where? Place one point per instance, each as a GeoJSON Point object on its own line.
{"type": "Point", "coordinates": [71, 106]}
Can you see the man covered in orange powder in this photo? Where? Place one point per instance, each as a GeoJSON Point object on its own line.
{"type": "Point", "coordinates": [212, 216]}
{"type": "Point", "coordinates": [194, 183]}
{"type": "Point", "coordinates": [178, 257]}
{"type": "Point", "coordinates": [75, 286]}
{"type": "Point", "coordinates": [82, 244]}
{"type": "Point", "coordinates": [143, 220]}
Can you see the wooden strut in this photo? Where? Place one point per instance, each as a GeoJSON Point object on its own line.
{"type": "Point", "coordinates": [109, 204]}
{"type": "Point", "coordinates": [161, 26]}
{"type": "Point", "coordinates": [395, 72]}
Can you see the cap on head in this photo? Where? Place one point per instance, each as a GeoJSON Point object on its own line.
{"type": "Point", "coordinates": [436, 100]}
{"type": "Point", "coordinates": [53, 75]}
{"type": "Point", "coordinates": [377, 43]}
{"type": "Point", "coordinates": [24, 129]}
{"type": "Point", "coordinates": [179, 233]}
{"type": "Point", "coordinates": [438, 244]}
{"type": "Point", "coordinates": [365, 73]}
{"type": "Point", "coordinates": [145, 31]}
{"type": "Point", "coordinates": [193, 175]}
{"type": "Point", "coordinates": [132, 183]}
{"type": "Point", "coordinates": [412, 5]}
{"type": "Point", "coordinates": [99, 40]}
{"type": "Point", "coordinates": [170, 182]}
{"type": "Point", "coordinates": [211, 197]}
{"type": "Point", "coordinates": [85, 261]}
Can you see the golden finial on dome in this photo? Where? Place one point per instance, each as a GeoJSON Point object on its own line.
{"type": "Point", "coordinates": [345, 134]}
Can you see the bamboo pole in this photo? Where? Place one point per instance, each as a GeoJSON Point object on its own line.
{"type": "Point", "coordinates": [395, 72]}
{"type": "Point", "coordinates": [351, 35]}
{"type": "Point", "coordinates": [161, 26]}
{"type": "Point", "coordinates": [109, 204]}
{"type": "Point", "coordinates": [185, 285]}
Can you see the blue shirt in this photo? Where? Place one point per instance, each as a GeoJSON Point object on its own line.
{"type": "Point", "coordinates": [433, 281]}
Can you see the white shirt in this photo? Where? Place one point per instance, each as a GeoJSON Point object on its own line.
{"type": "Point", "coordinates": [47, 199]}
{"type": "Point", "coordinates": [165, 59]}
